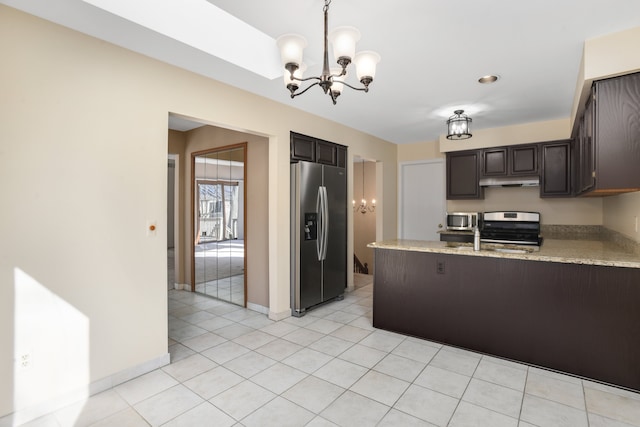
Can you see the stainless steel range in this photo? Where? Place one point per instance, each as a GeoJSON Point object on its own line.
{"type": "Point", "coordinates": [520, 228]}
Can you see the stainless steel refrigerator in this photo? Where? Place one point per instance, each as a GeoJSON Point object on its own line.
{"type": "Point", "coordinates": [318, 235]}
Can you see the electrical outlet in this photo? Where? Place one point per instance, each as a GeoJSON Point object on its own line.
{"type": "Point", "coordinates": [24, 361]}
{"type": "Point", "coordinates": [440, 267]}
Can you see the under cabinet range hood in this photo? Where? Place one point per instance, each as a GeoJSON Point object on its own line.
{"type": "Point", "coordinates": [510, 181]}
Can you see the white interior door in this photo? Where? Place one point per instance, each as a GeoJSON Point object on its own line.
{"type": "Point", "coordinates": [422, 201]}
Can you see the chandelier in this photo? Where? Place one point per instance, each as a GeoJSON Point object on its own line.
{"type": "Point", "coordinates": [458, 126]}
{"type": "Point", "coordinates": [343, 40]}
{"type": "Point", "coordinates": [363, 208]}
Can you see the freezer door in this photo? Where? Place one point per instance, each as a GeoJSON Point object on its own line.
{"type": "Point", "coordinates": [306, 271]}
{"type": "Point", "coordinates": [335, 263]}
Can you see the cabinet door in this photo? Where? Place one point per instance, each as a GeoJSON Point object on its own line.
{"type": "Point", "coordinates": [463, 175]}
{"type": "Point", "coordinates": [303, 147]}
{"type": "Point", "coordinates": [494, 161]}
{"type": "Point", "coordinates": [555, 179]}
{"type": "Point", "coordinates": [326, 153]}
{"type": "Point", "coordinates": [523, 160]}
{"type": "Point", "coordinates": [617, 133]}
{"type": "Point", "coordinates": [342, 156]}
{"type": "Point", "coordinates": [587, 153]}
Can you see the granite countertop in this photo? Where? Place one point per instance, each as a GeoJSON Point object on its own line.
{"type": "Point", "coordinates": [591, 252]}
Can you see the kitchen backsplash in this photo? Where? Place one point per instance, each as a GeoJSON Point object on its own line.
{"type": "Point", "coordinates": [589, 232]}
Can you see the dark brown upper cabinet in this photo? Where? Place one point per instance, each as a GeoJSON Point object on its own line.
{"type": "Point", "coordinates": [342, 156]}
{"type": "Point", "coordinates": [523, 160]}
{"type": "Point", "coordinates": [326, 153]}
{"type": "Point", "coordinates": [309, 149]}
{"type": "Point", "coordinates": [513, 160]}
{"type": "Point", "coordinates": [463, 175]}
{"type": "Point", "coordinates": [302, 148]}
{"type": "Point", "coordinates": [555, 169]}
{"type": "Point", "coordinates": [608, 138]}
{"type": "Point", "coordinates": [584, 155]}
{"type": "Point", "coordinates": [494, 161]}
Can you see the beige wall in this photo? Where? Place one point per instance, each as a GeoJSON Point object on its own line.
{"type": "Point", "coordinates": [257, 239]}
{"type": "Point", "coordinates": [620, 213]}
{"type": "Point", "coordinates": [84, 147]}
{"type": "Point", "coordinates": [565, 211]}
{"type": "Point", "coordinates": [419, 151]}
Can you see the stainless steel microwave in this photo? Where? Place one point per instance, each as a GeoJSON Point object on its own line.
{"type": "Point", "coordinates": [462, 221]}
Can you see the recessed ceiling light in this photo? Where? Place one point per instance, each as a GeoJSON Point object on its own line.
{"type": "Point", "coordinates": [487, 79]}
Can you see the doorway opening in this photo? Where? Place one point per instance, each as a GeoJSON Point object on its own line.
{"type": "Point", "coordinates": [364, 219]}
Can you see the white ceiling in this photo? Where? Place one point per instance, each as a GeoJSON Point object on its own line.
{"type": "Point", "coordinates": [433, 52]}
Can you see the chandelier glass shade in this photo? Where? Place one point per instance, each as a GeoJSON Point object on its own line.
{"type": "Point", "coordinates": [459, 126]}
{"type": "Point", "coordinates": [332, 80]}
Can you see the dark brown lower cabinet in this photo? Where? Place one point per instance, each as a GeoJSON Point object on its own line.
{"type": "Point", "coordinates": [579, 319]}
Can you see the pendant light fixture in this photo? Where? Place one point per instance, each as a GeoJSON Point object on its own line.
{"type": "Point", "coordinates": [343, 40]}
{"type": "Point", "coordinates": [363, 208]}
{"type": "Point", "coordinates": [459, 126]}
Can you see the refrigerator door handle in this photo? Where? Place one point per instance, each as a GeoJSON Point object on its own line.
{"type": "Point", "coordinates": [325, 223]}
{"type": "Point", "coordinates": [319, 224]}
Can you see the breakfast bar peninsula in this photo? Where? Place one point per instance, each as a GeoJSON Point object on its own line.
{"type": "Point", "coordinates": [571, 306]}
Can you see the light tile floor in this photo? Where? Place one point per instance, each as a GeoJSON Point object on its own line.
{"type": "Point", "coordinates": [235, 367]}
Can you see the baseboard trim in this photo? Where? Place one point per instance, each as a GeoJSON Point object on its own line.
{"type": "Point", "coordinates": [36, 411]}
{"type": "Point", "coordinates": [259, 308]}
{"type": "Point", "coordinates": [279, 316]}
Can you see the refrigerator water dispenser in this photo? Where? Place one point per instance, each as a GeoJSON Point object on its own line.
{"type": "Point", "coordinates": [311, 226]}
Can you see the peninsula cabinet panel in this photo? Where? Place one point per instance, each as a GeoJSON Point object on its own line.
{"type": "Point", "coordinates": [555, 176]}
{"type": "Point", "coordinates": [463, 175]}
{"type": "Point", "coordinates": [574, 318]}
